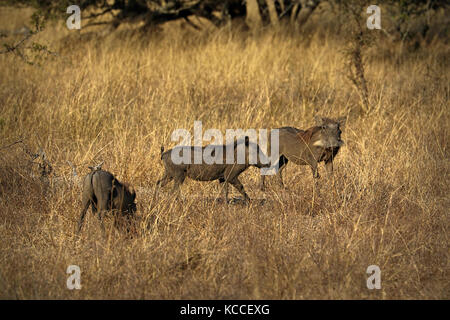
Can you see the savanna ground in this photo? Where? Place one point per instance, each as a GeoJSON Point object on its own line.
{"type": "Point", "coordinates": [119, 98]}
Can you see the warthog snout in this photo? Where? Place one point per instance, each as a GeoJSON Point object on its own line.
{"type": "Point", "coordinates": [132, 208]}
{"type": "Point", "coordinates": [326, 139]}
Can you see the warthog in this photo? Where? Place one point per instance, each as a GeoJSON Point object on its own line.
{"type": "Point", "coordinates": [104, 192]}
{"type": "Point", "coordinates": [224, 172]}
{"type": "Point", "coordinates": [316, 144]}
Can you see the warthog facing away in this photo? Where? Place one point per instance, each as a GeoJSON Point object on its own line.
{"type": "Point", "coordinates": [104, 192]}
{"type": "Point", "coordinates": [316, 144]}
{"type": "Point", "coordinates": [224, 172]}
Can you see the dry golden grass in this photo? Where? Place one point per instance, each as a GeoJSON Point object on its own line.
{"type": "Point", "coordinates": [118, 99]}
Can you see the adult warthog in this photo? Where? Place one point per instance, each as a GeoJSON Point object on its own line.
{"type": "Point", "coordinates": [104, 192]}
{"type": "Point", "coordinates": [309, 147]}
{"type": "Point", "coordinates": [225, 171]}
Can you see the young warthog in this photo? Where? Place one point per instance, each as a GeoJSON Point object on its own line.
{"type": "Point", "coordinates": [104, 192]}
{"type": "Point", "coordinates": [208, 170]}
{"type": "Point", "coordinates": [319, 143]}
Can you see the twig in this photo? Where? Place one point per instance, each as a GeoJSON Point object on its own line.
{"type": "Point", "coordinates": [10, 145]}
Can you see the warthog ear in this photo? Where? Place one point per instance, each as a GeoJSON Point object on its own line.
{"type": "Point", "coordinates": [319, 120]}
{"type": "Point", "coordinates": [341, 121]}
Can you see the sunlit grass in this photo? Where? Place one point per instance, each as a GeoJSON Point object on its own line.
{"type": "Point", "coordinates": [119, 99]}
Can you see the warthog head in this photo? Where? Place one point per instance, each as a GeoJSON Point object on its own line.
{"type": "Point", "coordinates": [129, 196]}
{"type": "Point", "coordinates": [328, 133]}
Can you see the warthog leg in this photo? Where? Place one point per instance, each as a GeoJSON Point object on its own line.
{"type": "Point", "coordinates": [160, 183]}
{"type": "Point", "coordinates": [238, 185]}
{"type": "Point", "coordinates": [315, 171]}
{"type": "Point", "coordinates": [224, 185]}
{"type": "Point", "coordinates": [329, 166]}
{"type": "Point", "coordinates": [86, 205]}
{"type": "Point", "coordinates": [178, 181]}
{"type": "Point", "coordinates": [102, 207]}
{"type": "Point", "coordinates": [282, 162]}
{"type": "Point", "coordinates": [164, 180]}
{"type": "Point", "coordinates": [281, 165]}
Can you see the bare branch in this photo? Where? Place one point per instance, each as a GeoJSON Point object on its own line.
{"type": "Point", "coordinates": [11, 144]}
{"type": "Point", "coordinates": [96, 15]}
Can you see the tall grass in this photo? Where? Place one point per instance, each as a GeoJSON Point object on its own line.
{"type": "Point", "coordinates": [118, 99]}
